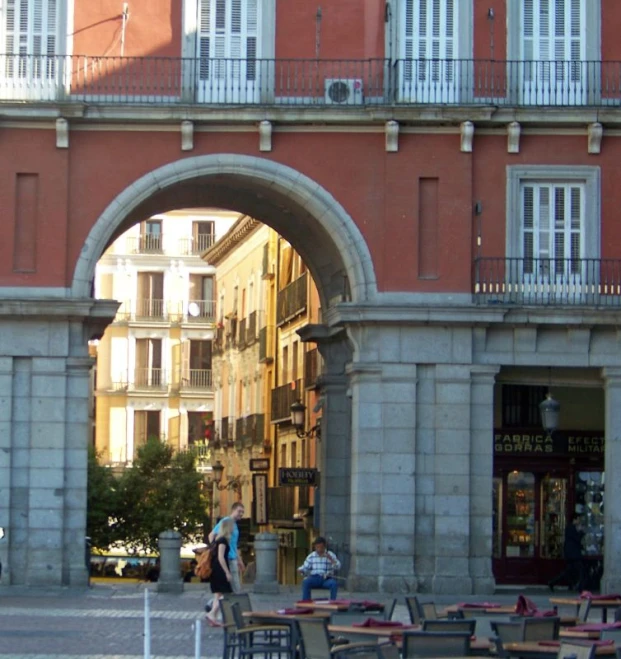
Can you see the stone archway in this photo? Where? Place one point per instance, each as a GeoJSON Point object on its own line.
{"type": "Point", "coordinates": [302, 211]}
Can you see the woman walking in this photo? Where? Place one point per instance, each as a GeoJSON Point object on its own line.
{"type": "Point", "coordinates": [220, 573]}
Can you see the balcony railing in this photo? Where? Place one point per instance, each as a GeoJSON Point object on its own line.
{"type": "Point", "coordinates": [251, 328]}
{"type": "Point", "coordinates": [199, 311]}
{"type": "Point", "coordinates": [282, 399]}
{"type": "Point", "coordinates": [149, 378]}
{"type": "Point", "coordinates": [149, 308]}
{"type": "Point", "coordinates": [145, 244]}
{"type": "Point", "coordinates": [196, 379]}
{"type": "Point", "coordinates": [218, 342]}
{"type": "Point", "coordinates": [308, 82]}
{"type": "Point", "coordinates": [227, 431]}
{"type": "Point", "coordinates": [197, 245]}
{"type": "Point", "coordinates": [545, 281]}
{"type": "Point", "coordinates": [241, 336]}
{"type": "Point", "coordinates": [291, 300]}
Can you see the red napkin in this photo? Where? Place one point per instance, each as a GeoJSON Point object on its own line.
{"type": "Point", "coordinates": [597, 626]}
{"type": "Point", "coordinates": [525, 606]}
{"type": "Point", "coordinates": [608, 641]}
{"type": "Point", "coordinates": [550, 613]}
{"type": "Point", "coordinates": [554, 644]}
{"type": "Point", "coordinates": [295, 612]}
{"type": "Point", "coordinates": [340, 602]}
{"type": "Point", "coordinates": [478, 605]}
{"type": "Point", "coordinates": [368, 604]}
{"type": "Point", "coordinates": [374, 622]}
{"type": "Point", "coordinates": [588, 595]}
{"type": "Point", "coordinates": [304, 601]}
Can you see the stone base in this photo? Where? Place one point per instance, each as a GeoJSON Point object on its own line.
{"type": "Point", "coordinates": [452, 585]}
{"type": "Point", "coordinates": [266, 588]}
{"type": "Point", "coordinates": [483, 586]}
{"type": "Point", "coordinates": [174, 587]}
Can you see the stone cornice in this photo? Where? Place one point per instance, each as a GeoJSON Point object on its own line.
{"type": "Point", "coordinates": [471, 315]}
{"type": "Point", "coordinates": [59, 308]}
{"type": "Point", "coordinates": [231, 239]}
{"type": "Point", "coordinates": [128, 117]}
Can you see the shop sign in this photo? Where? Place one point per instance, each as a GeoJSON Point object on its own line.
{"type": "Point", "coordinates": [259, 464]}
{"type": "Point", "coordinates": [259, 498]}
{"type": "Point", "coordinates": [562, 442]}
{"type": "Point", "coordinates": [297, 476]}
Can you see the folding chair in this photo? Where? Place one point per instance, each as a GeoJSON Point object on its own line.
{"type": "Point", "coordinates": [316, 642]}
{"type": "Point", "coordinates": [389, 609]}
{"type": "Point", "coordinates": [435, 644]}
{"type": "Point", "coordinates": [576, 651]}
{"type": "Point", "coordinates": [466, 625]}
{"type": "Point", "coordinates": [506, 632]}
{"type": "Point", "coordinates": [541, 629]}
{"type": "Point", "coordinates": [416, 616]}
{"type": "Point", "coordinates": [429, 611]}
{"type": "Point", "coordinates": [274, 639]}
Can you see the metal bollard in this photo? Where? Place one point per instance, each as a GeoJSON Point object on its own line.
{"type": "Point", "coordinates": [170, 580]}
{"type": "Point", "coordinates": [266, 551]}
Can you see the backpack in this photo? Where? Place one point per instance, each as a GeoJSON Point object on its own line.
{"type": "Point", "coordinates": [204, 568]}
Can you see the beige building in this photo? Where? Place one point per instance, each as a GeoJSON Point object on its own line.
{"type": "Point", "coordinates": [261, 367]}
{"type": "Point", "coordinates": [154, 363]}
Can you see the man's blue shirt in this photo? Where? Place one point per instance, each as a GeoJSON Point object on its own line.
{"type": "Point", "coordinates": [234, 538]}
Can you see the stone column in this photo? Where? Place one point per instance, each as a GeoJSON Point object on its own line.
{"type": "Point", "coordinates": [334, 442]}
{"type": "Point", "coordinates": [611, 580]}
{"type": "Point", "coordinates": [452, 480]}
{"type": "Point", "coordinates": [382, 483]}
{"type": "Point", "coordinates": [169, 579]}
{"type": "Point", "coordinates": [481, 477]}
{"type": "Point", "coordinates": [266, 557]}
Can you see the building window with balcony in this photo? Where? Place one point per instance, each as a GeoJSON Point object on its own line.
{"type": "Point", "coordinates": [235, 46]}
{"type": "Point", "coordinates": [554, 51]}
{"type": "Point", "coordinates": [149, 373]}
{"type": "Point", "coordinates": [151, 237]}
{"type": "Point", "coordinates": [553, 233]}
{"type": "Point", "coordinates": [31, 33]}
{"type": "Point", "coordinates": [150, 298]}
{"type": "Point", "coordinates": [434, 50]}
{"type": "Point", "coordinates": [202, 297]}
{"type": "Point", "coordinates": [203, 234]}
{"type": "Point", "coordinates": [197, 372]}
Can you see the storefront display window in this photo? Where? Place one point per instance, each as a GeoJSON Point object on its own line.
{"type": "Point", "coordinates": [590, 508]}
{"type": "Point", "coordinates": [553, 506]}
{"type": "Point", "coordinates": [520, 515]}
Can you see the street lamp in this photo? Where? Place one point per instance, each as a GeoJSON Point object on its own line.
{"type": "Point", "coordinates": [217, 470]}
{"type": "Point", "coordinates": [298, 413]}
{"type": "Point", "coordinates": [550, 412]}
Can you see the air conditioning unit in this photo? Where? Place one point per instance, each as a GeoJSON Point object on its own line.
{"type": "Point", "coordinates": [344, 91]}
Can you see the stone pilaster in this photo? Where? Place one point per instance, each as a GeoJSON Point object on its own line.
{"type": "Point", "coordinates": [452, 480]}
{"type": "Point", "coordinates": [611, 580]}
{"type": "Point", "coordinates": [481, 478]}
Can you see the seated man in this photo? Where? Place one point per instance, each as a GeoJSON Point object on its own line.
{"type": "Point", "coordinates": [319, 568]}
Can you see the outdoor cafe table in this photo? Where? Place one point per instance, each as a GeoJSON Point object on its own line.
{"type": "Point", "coordinates": [603, 604]}
{"type": "Point", "coordinates": [357, 633]}
{"type": "Point", "coordinates": [547, 649]}
{"type": "Point", "coordinates": [335, 605]}
{"type": "Point", "coordinates": [498, 611]}
{"type": "Point", "coordinates": [583, 634]}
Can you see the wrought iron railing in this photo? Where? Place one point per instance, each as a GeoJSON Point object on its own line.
{"type": "Point", "coordinates": [592, 282]}
{"type": "Point", "coordinates": [150, 308]}
{"type": "Point", "coordinates": [199, 311]}
{"type": "Point", "coordinates": [145, 244]}
{"type": "Point", "coordinates": [307, 82]}
{"type": "Point", "coordinates": [282, 399]}
{"type": "Point", "coordinates": [218, 342]}
{"type": "Point", "coordinates": [292, 299]}
{"type": "Point", "coordinates": [241, 336]}
{"type": "Point", "coordinates": [227, 431]}
{"type": "Point", "coordinates": [196, 245]}
{"type": "Point", "coordinates": [149, 378]}
{"type": "Point", "coordinates": [197, 379]}
{"type": "Point", "coordinates": [251, 328]}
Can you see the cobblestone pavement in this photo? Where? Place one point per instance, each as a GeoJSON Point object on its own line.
{"type": "Point", "coordinates": [108, 622]}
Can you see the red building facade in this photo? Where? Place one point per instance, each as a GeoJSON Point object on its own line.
{"type": "Point", "coordinates": [447, 170]}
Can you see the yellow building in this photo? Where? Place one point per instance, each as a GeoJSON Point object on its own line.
{"type": "Point", "coordinates": [154, 363]}
{"type": "Point", "coordinates": [261, 368]}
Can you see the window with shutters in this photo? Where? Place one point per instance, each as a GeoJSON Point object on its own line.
{"type": "Point", "coordinates": [234, 41]}
{"type": "Point", "coordinates": [435, 44]}
{"type": "Point", "coordinates": [30, 36]}
{"type": "Point", "coordinates": [553, 227]}
{"type": "Point", "coordinates": [556, 44]}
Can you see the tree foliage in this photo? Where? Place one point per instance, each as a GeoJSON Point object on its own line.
{"type": "Point", "coordinates": [160, 492]}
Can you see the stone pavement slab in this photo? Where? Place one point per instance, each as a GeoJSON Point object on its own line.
{"type": "Point", "coordinates": [108, 621]}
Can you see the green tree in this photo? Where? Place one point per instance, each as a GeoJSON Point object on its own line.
{"type": "Point", "coordinates": [102, 504]}
{"type": "Point", "coordinates": [161, 491]}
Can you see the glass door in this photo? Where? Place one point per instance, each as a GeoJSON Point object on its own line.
{"type": "Point", "coordinates": [530, 511]}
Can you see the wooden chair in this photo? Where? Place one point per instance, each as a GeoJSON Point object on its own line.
{"type": "Point", "coordinates": [435, 644]}
{"type": "Point", "coordinates": [576, 651]}
{"type": "Point", "coordinates": [243, 599]}
{"type": "Point", "coordinates": [466, 625]}
{"type": "Point", "coordinates": [316, 642]}
{"type": "Point", "coordinates": [541, 629]}
{"type": "Point", "coordinates": [416, 616]}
